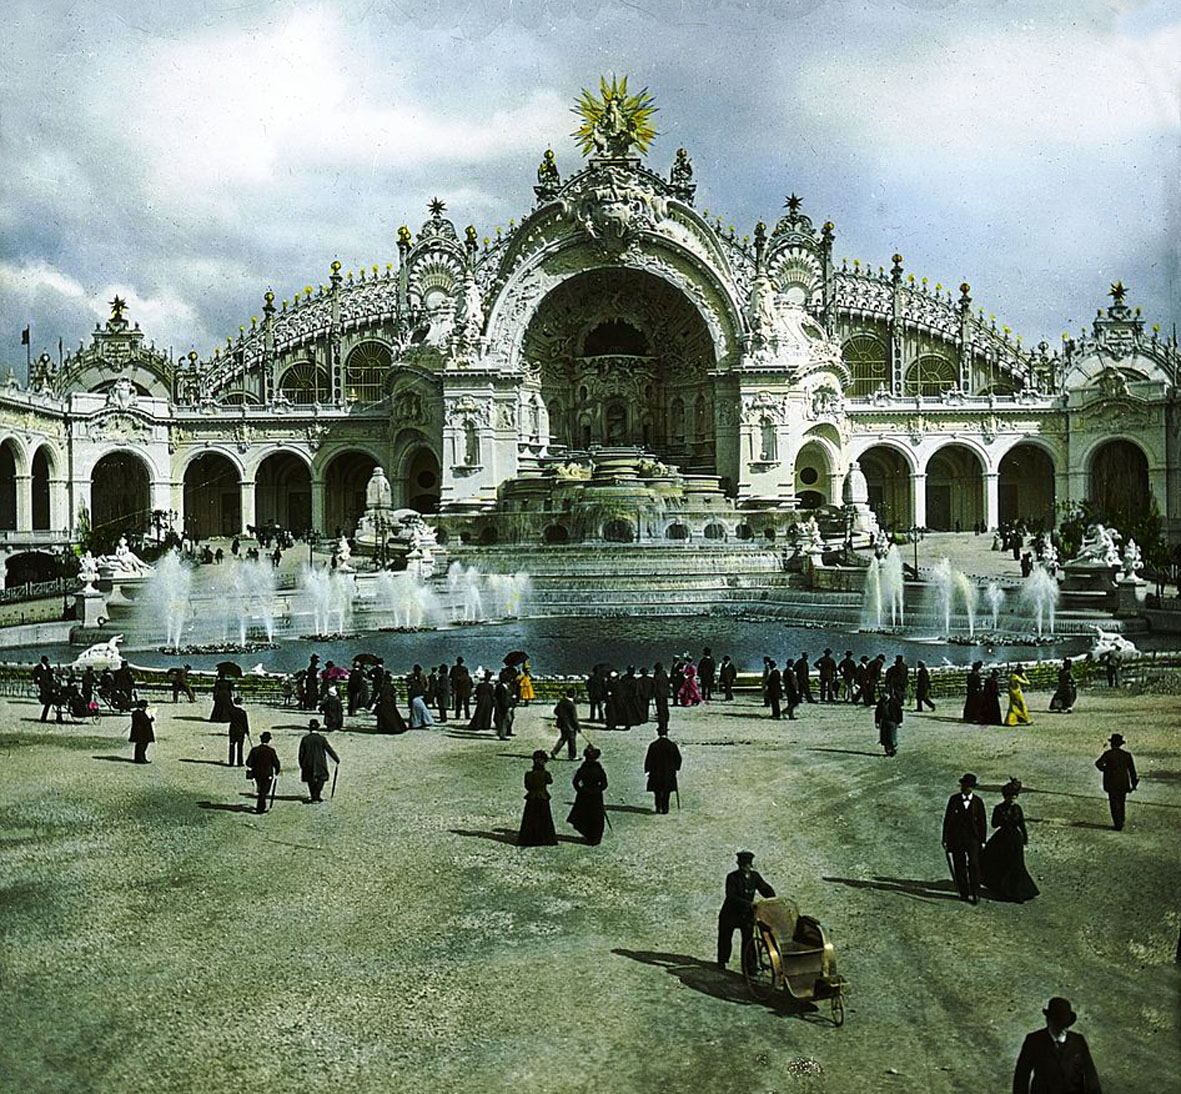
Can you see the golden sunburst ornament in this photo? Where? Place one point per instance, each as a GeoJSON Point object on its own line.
{"type": "Point", "coordinates": [613, 122]}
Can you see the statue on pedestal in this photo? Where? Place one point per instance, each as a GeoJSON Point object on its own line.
{"type": "Point", "coordinates": [1133, 559]}
{"type": "Point", "coordinates": [1099, 547]}
{"type": "Point", "coordinates": [124, 563]}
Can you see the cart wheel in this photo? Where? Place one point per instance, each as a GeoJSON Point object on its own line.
{"type": "Point", "coordinates": [758, 966]}
{"type": "Point", "coordinates": [838, 1009]}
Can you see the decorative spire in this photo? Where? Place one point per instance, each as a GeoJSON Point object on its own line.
{"type": "Point", "coordinates": [437, 208]}
{"type": "Point", "coordinates": [792, 204]}
{"type": "Point", "coordinates": [1117, 293]}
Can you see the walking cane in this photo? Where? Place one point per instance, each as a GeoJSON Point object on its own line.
{"type": "Point", "coordinates": [677, 791]}
{"type": "Point", "coordinates": [274, 783]}
{"type": "Point", "coordinates": [335, 772]}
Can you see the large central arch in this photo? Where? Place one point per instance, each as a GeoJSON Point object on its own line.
{"type": "Point", "coordinates": [120, 496]}
{"type": "Point", "coordinates": [624, 359]}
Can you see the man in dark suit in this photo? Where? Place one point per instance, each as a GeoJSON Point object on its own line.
{"type": "Point", "coordinates": [739, 906]}
{"type": "Point", "coordinates": [262, 765]}
{"type": "Point", "coordinates": [1053, 1061]}
{"type": "Point", "coordinates": [922, 688]}
{"type": "Point", "coordinates": [773, 689]}
{"type": "Point", "coordinates": [848, 670]}
{"type": "Point", "coordinates": [314, 751]}
{"type": "Point", "coordinates": [662, 762]}
{"type": "Point", "coordinates": [660, 693]}
{"type": "Point", "coordinates": [443, 692]}
{"type": "Point", "coordinates": [964, 833]}
{"type": "Point", "coordinates": [727, 674]}
{"type": "Point", "coordinates": [239, 728]}
{"type": "Point", "coordinates": [1119, 778]}
{"type": "Point", "coordinates": [567, 715]}
{"type": "Point", "coordinates": [826, 666]}
{"type": "Point", "coordinates": [896, 677]}
{"type": "Point", "coordinates": [706, 670]}
{"type": "Point", "coordinates": [461, 688]}
{"type": "Point", "coordinates": [803, 684]}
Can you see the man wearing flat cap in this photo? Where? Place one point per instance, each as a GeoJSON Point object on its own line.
{"type": "Point", "coordinates": [738, 909]}
{"type": "Point", "coordinates": [1054, 1061]}
{"type": "Point", "coordinates": [964, 832]}
{"type": "Point", "coordinates": [1119, 778]}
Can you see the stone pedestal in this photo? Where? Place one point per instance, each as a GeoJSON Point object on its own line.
{"type": "Point", "coordinates": [1088, 585]}
{"type": "Point", "coordinates": [90, 608]}
{"type": "Point", "coordinates": [1130, 595]}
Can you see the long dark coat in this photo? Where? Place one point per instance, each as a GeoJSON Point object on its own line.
{"type": "Point", "coordinates": [333, 711]}
{"type": "Point", "coordinates": [587, 816]}
{"type": "Point", "coordinates": [662, 763]}
{"type": "Point", "coordinates": [485, 700]}
{"type": "Point", "coordinates": [537, 822]}
{"type": "Point", "coordinates": [631, 711]}
{"type": "Point", "coordinates": [389, 718]}
{"type": "Point", "coordinates": [972, 702]}
{"type": "Point", "coordinates": [1066, 695]}
{"type": "Point", "coordinates": [223, 695]}
{"type": "Point", "coordinates": [1119, 771]}
{"type": "Point", "coordinates": [141, 727]}
{"type": "Point", "coordinates": [313, 758]}
{"type": "Point", "coordinates": [988, 712]}
{"type": "Point", "coordinates": [1002, 862]}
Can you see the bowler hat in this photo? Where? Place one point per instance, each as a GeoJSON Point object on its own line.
{"type": "Point", "coordinates": [968, 780]}
{"type": "Point", "coordinates": [745, 856]}
{"type": "Point", "coordinates": [314, 723]}
{"type": "Point", "coordinates": [1116, 739]}
{"type": "Point", "coordinates": [1058, 1011]}
{"type": "Point", "coordinates": [264, 737]}
{"type": "Point", "coordinates": [540, 756]}
{"type": "Point", "coordinates": [591, 753]}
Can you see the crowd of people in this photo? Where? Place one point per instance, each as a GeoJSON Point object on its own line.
{"type": "Point", "coordinates": [485, 702]}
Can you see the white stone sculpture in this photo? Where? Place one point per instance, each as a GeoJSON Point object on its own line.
{"type": "Point", "coordinates": [343, 553]}
{"type": "Point", "coordinates": [87, 571]}
{"type": "Point", "coordinates": [1099, 547]}
{"type": "Point", "coordinates": [1133, 559]}
{"type": "Point", "coordinates": [1049, 554]}
{"type": "Point", "coordinates": [102, 655]}
{"type": "Point", "coordinates": [1111, 642]}
{"type": "Point", "coordinates": [811, 541]}
{"type": "Point", "coordinates": [124, 563]}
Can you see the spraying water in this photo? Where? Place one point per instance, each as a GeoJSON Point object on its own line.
{"type": "Point", "coordinates": [1040, 592]}
{"type": "Point", "coordinates": [995, 596]}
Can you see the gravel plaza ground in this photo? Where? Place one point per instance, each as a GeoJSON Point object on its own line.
{"type": "Point", "coordinates": [159, 936]}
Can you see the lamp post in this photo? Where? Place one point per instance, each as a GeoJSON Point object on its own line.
{"type": "Point", "coordinates": [916, 533]}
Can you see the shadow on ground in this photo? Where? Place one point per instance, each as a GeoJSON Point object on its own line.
{"type": "Point", "coordinates": [707, 978]}
{"type": "Point", "coordinates": [115, 759]}
{"type": "Point", "coordinates": [849, 752]}
{"type": "Point", "coordinates": [927, 890]}
{"type": "Point", "coordinates": [225, 808]}
{"type": "Point", "coordinates": [211, 763]}
{"type": "Point", "coordinates": [504, 835]}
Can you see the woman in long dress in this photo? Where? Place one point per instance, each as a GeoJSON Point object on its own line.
{"type": "Point", "coordinates": [1064, 698]}
{"type": "Point", "coordinates": [1002, 862]}
{"type": "Point", "coordinates": [389, 718]}
{"type": "Point", "coordinates": [525, 690]}
{"type": "Point", "coordinates": [690, 694]}
{"type": "Point", "coordinates": [988, 711]}
{"type": "Point", "coordinates": [223, 694]}
{"type": "Point", "coordinates": [537, 824]}
{"type": "Point", "coordinates": [485, 695]}
{"type": "Point", "coordinates": [590, 780]}
{"type": "Point", "coordinates": [1018, 713]}
{"type": "Point", "coordinates": [975, 688]}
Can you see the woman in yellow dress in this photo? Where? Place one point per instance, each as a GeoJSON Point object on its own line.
{"type": "Point", "coordinates": [1018, 714]}
{"type": "Point", "coordinates": [525, 690]}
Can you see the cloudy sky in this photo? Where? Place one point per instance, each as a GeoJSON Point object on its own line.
{"type": "Point", "coordinates": [189, 155]}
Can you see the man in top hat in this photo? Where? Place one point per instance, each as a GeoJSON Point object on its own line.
{"type": "Point", "coordinates": [262, 765]}
{"type": "Point", "coordinates": [311, 683]}
{"type": "Point", "coordinates": [1053, 1060]}
{"type": "Point", "coordinates": [727, 674]}
{"type": "Point", "coordinates": [314, 751]}
{"type": "Point", "coordinates": [141, 731]}
{"type": "Point", "coordinates": [706, 672]}
{"type": "Point", "coordinates": [964, 833]}
{"type": "Point", "coordinates": [661, 763]}
{"type": "Point", "coordinates": [738, 909]}
{"type": "Point", "coordinates": [1119, 778]}
{"type": "Point", "coordinates": [848, 671]}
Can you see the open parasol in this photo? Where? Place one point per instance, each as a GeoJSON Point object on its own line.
{"type": "Point", "coordinates": [229, 668]}
{"type": "Point", "coordinates": [516, 657]}
{"type": "Point", "coordinates": [367, 659]}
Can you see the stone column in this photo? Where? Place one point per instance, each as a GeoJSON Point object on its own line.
{"type": "Point", "coordinates": [918, 499]}
{"type": "Point", "coordinates": [246, 503]}
{"type": "Point", "coordinates": [318, 506]}
{"type": "Point", "coordinates": [24, 503]}
{"type": "Point", "coordinates": [991, 502]}
{"type": "Point", "coordinates": [59, 518]}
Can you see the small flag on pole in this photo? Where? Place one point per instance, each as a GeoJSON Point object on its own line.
{"type": "Point", "coordinates": [25, 337]}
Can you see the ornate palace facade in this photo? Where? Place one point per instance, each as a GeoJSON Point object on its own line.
{"type": "Point", "coordinates": [491, 377]}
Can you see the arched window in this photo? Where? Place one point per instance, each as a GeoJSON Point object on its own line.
{"type": "Point", "coordinates": [930, 376]}
{"type": "Point", "coordinates": [865, 355]}
{"type": "Point", "coordinates": [305, 383]}
{"type": "Point", "coordinates": [365, 371]}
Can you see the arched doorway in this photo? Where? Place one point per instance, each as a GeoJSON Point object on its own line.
{"type": "Point", "coordinates": [422, 480]}
{"type": "Point", "coordinates": [812, 488]}
{"type": "Point", "coordinates": [213, 497]}
{"type": "Point", "coordinates": [31, 567]}
{"type": "Point", "coordinates": [887, 476]}
{"type": "Point", "coordinates": [625, 360]}
{"type": "Point", "coordinates": [42, 468]}
{"type": "Point", "coordinates": [1025, 486]}
{"type": "Point", "coordinates": [345, 480]}
{"type": "Point", "coordinates": [120, 498]}
{"type": "Point", "coordinates": [955, 489]}
{"type": "Point", "coordinates": [1119, 480]}
{"type": "Point", "coordinates": [7, 485]}
{"type": "Point", "coordinates": [283, 492]}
